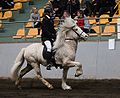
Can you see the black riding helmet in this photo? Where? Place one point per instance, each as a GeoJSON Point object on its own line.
{"type": "Point", "coordinates": [47, 11]}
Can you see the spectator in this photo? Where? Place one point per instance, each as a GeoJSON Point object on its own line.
{"type": "Point", "coordinates": [73, 6]}
{"type": "Point", "coordinates": [105, 6]}
{"type": "Point", "coordinates": [32, 9]}
{"type": "Point", "coordinates": [83, 23]}
{"type": "Point", "coordinates": [6, 4]}
{"type": "Point", "coordinates": [65, 14]}
{"type": "Point", "coordinates": [35, 17]}
{"type": "Point", "coordinates": [96, 7]}
{"type": "Point", "coordinates": [88, 5]}
{"type": "Point", "coordinates": [57, 7]}
{"type": "Point", "coordinates": [48, 34]}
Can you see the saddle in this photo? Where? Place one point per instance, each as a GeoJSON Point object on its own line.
{"type": "Point", "coordinates": [51, 58]}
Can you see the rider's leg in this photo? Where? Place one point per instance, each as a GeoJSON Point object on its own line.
{"type": "Point", "coordinates": [49, 53]}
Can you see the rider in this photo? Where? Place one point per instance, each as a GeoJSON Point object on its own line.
{"type": "Point", "coordinates": [48, 34]}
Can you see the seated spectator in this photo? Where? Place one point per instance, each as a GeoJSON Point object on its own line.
{"type": "Point", "coordinates": [9, 4]}
{"type": "Point", "coordinates": [83, 23]}
{"type": "Point", "coordinates": [6, 4]}
{"type": "Point", "coordinates": [73, 6]}
{"type": "Point", "coordinates": [35, 17]}
{"type": "Point", "coordinates": [32, 9]}
{"type": "Point", "coordinates": [57, 7]}
{"type": "Point", "coordinates": [105, 6]}
{"type": "Point", "coordinates": [95, 7]}
{"type": "Point", "coordinates": [65, 15]}
{"type": "Point", "coordinates": [88, 5]}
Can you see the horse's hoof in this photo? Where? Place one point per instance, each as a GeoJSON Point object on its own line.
{"type": "Point", "coordinates": [18, 87]}
{"type": "Point", "coordinates": [50, 87]}
{"type": "Point", "coordinates": [66, 88]}
{"type": "Point", "coordinates": [78, 74]}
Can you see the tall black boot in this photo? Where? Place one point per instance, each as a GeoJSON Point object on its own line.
{"type": "Point", "coordinates": [48, 58]}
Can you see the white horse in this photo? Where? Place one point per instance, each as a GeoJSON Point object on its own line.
{"type": "Point", "coordinates": [65, 45]}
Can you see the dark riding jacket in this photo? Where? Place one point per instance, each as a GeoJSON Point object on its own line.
{"type": "Point", "coordinates": [48, 31]}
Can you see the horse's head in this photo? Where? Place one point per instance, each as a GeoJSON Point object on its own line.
{"type": "Point", "coordinates": [79, 33]}
{"type": "Point", "coordinates": [74, 31]}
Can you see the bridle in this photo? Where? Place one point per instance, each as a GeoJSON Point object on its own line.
{"type": "Point", "coordinates": [72, 28]}
{"type": "Point", "coordinates": [79, 35]}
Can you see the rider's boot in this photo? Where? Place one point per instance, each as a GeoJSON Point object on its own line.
{"type": "Point", "coordinates": [49, 64]}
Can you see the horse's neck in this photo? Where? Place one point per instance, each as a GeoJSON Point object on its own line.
{"type": "Point", "coordinates": [60, 39]}
{"type": "Point", "coordinates": [63, 32]}
{"type": "Point", "coordinates": [72, 44]}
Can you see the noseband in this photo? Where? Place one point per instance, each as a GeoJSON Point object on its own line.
{"type": "Point", "coordinates": [79, 35]}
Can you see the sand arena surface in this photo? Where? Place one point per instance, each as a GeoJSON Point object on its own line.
{"type": "Point", "coordinates": [33, 88]}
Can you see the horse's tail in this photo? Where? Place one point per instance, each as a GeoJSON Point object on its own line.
{"type": "Point", "coordinates": [17, 65]}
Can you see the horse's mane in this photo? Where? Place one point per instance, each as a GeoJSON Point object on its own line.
{"type": "Point", "coordinates": [60, 39]}
{"type": "Point", "coordinates": [61, 34]}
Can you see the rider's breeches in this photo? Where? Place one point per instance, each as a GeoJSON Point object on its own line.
{"type": "Point", "coordinates": [48, 45]}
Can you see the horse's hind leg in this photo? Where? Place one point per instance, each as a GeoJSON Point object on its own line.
{"type": "Point", "coordinates": [38, 72]}
{"type": "Point", "coordinates": [22, 73]}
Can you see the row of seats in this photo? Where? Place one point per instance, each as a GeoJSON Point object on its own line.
{"type": "Point", "coordinates": [103, 20]}
{"type": "Point", "coordinates": [21, 33]}
{"type": "Point", "coordinates": [22, 1]}
{"type": "Point", "coordinates": [108, 30]}
{"type": "Point", "coordinates": [8, 12]}
{"type": "Point", "coordinates": [33, 32]}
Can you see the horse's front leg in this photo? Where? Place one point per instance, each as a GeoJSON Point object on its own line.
{"type": "Point", "coordinates": [64, 79]}
{"type": "Point", "coordinates": [79, 70]}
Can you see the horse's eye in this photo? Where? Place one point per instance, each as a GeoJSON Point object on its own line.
{"type": "Point", "coordinates": [76, 29]}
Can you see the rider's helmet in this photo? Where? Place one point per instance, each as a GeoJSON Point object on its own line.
{"type": "Point", "coordinates": [47, 11]}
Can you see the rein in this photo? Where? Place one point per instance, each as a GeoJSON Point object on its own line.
{"type": "Point", "coordinates": [79, 35]}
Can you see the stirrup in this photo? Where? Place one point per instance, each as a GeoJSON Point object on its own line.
{"type": "Point", "coordinates": [49, 67]}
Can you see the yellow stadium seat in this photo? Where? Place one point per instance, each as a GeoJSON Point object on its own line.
{"type": "Point", "coordinates": [32, 33]}
{"type": "Point", "coordinates": [16, 0]}
{"type": "Point", "coordinates": [28, 25]}
{"type": "Point", "coordinates": [17, 6]}
{"type": "Point", "coordinates": [114, 20]}
{"type": "Point", "coordinates": [25, 0]}
{"type": "Point", "coordinates": [41, 12]}
{"type": "Point", "coordinates": [92, 21]}
{"type": "Point", "coordinates": [104, 21]}
{"type": "Point", "coordinates": [56, 21]}
{"type": "Point", "coordinates": [7, 15]}
{"type": "Point", "coordinates": [96, 28]}
{"type": "Point", "coordinates": [22, 0]}
{"type": "Point", "coordinates": [108, 30]}
{"type": "Point", "coordinates": [0, 15]}
{"type": "Point", "coordinates": [20, 33]}
{"type": "Point", "coordinates": [1, 25]}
